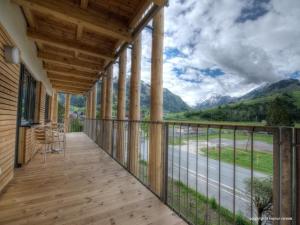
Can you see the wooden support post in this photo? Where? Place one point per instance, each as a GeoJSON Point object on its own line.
{"type": "Point", "coordinates": [94, 101]}
{"type": "Point", "coordinates": [286, 174]}
{"type": "Point", "coordinates": [297, 161]}
{"type": "Point", "coordinates": [134, 106]}
{"type": "Point", "coordinates": [121, 109]}
{"type": "Point", "coordinates": [67, 110]}
{"type": "Point", "coordinates": [282, 177]}
{"type": "Point", "coordinates": [156, 108]}
{"type": "Point", "coordinates": [276, 175]}
{"type": "Point", "coordinates": [108, 109]}
{"type": "Point", "coordinates": [54, 107]}
{"type": "Point", "coordinates": [87, 105]}
{"type": "Point", "coordinates": [103, 97]}
{"type": "Point", "coordinates": [91, 103]}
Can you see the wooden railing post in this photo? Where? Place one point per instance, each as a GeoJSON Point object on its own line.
{"type": "Point", "coordinates": [156, 109]}
{"type": "Point", "coordinates": [134, 106]}
{"type": "Point", "coordinates": [297, 161]}
{"type": "Point", "coordinates": [121, 107]}
{"type": "Point", "coordinates": [283, 176]}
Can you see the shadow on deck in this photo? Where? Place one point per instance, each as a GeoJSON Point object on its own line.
{"type": "Point", "coordinates": [88, 187]}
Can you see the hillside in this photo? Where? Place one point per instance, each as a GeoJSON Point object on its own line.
{"type": "Point", "coordinates": [263, 93]}
{"type": "Point", "coordinates": [253, 106]}
{"type": "Point", "coordinates": [172, 103]}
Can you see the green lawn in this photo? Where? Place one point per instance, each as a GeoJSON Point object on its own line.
{"type": "Point", "coordinates": [228, 135]}
{"type": "Point", "coordinates": [262, 161]}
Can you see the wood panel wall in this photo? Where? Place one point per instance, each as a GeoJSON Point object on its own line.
{"type": "Point", "coordinates": [9, 84]}
{"type": "Point", "coordinates": [42, 104]}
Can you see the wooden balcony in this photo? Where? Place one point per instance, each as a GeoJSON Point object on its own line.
{"type": "Point", "coordinates": [87, 187]}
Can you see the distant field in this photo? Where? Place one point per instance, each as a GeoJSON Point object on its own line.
{"type": "Point", "coordinates": [262, 161]}
{"type": "Point", "coordinates": [229, 135]}
{"type": "Point", "coordinates": [215, 122]}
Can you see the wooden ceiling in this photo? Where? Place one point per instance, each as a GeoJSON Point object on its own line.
{"type": "Point", "coordinates": [77, 39]}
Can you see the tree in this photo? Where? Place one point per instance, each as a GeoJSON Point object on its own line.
{"type": "Point", "coordinates": [280, 111]}
{"type": "Point", "coordinates": [262, 195]}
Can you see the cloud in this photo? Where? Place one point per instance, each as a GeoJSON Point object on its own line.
{"type": "Point", "coordinates": [226, 47]}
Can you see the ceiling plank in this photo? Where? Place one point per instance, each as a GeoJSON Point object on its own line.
{"type": "Point", "coordinates": [84, 4]}
{"type": "Point", "coordinates": [67, 44]}
{"type": "Point", "coordinates": [75, 15]}
{"type": "Point", "coordinates": [87, 66]}
{"type": "Point", "coordinates": [69, 72]}
{"type": "Point", "coordinates": [79, 32]}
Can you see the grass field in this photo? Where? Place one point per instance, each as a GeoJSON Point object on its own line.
{"type": "Point", "coordinates": [196, 208]}
{"type": "Point", "coordinates": [263, 137]}
{"type": "Point", "coordinates": [262, 161]}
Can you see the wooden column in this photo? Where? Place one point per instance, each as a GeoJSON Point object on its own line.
{"type": "Point", "coordinates": [121, 108]}
{"type": "Point", "coordinates": [134, 106]}
{"type": "Point", "coordinates": [67, 110]}
{"type": "Point", "coordinates": [54, 107]}
{"type": "Point", "coordinates": [91, 103]}
{"type": "Point", "coordinates": [297, 160]}
{"type": "Point", "coordinates": [156, 108]}
{"type": "Point", "coordinates": [108, 110]}
{"type": "Point", "coordinates": [282, 175]}
{"type": "Point", "coordinates": [103, 97]}
{"type": "Point", "coordinates": [286, 174]}
{"type": "Point", "coordinates": [88, 105]}
{"type": "Point", "coordinates": [93, 99]}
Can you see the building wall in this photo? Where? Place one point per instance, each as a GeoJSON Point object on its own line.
{"type": "Point", "coordinates": [9, 84]}
{"type": "Point", "coordinates": [12, 19]}
{"type": "Point", "coordinates": [42, 105]}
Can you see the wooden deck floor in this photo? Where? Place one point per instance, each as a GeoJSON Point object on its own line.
{"type": "Point", "coordinates": [86, 188]}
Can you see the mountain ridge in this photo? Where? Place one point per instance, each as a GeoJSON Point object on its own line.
{"type": "Point", "coordinates": [279, 87]}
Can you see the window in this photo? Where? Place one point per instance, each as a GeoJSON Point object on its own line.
{"type": "Point", "coordinates": [47, 108]}
{"type": "Point", "coordinates": [28, 87]}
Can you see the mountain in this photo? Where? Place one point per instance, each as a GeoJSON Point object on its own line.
{"type": "Point", "coordinates": [280, 87]}
{"type": "Point", "coordinates": [215, 101]}
{"type": "Point", "coordinates": [277, 103]}
{"type": "Point", "coordinates": [172, 102]}
{"type": "Point", "coordinates": [261, 93]}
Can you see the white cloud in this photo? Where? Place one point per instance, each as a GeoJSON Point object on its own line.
{"type": "Point", "coordinates": [251, 52]}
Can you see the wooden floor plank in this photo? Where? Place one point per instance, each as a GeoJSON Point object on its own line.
{"type": "Point", "coordinates": [85, 188]}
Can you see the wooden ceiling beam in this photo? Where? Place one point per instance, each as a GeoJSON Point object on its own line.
{"type": "Point", "coordinates": [69, 72]}
{"type": "Point", "coordinates": [160, 2]}
{"type": "Point", "coordinates": [69, 83]}
{"type": "Point", "coordinates": [67, 87]}
{"type": "Point", "coordinates": [141, 10]}
{"type": "Point", "coordinates": [66, 44]}
{"type": "Point", "coordinates": [87, 66]}
{"type": "Point", "coordinates": [77, 15]}
{"type": "Point", "coordinates": [73, 92]}
{"type": "Point", "coordinates": [29, 17]}
{"type": "Point", "coordinates": [59, 77]}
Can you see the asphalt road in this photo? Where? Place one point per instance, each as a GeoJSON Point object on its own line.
{"type": "Point", "coordinates": [182, 166]}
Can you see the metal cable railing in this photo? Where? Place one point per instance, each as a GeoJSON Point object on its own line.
{"type": "Point", "coordinates": [210, 174]}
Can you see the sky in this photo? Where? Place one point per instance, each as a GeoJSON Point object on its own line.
{"type": "Point", "coordinates": [226, 47]}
